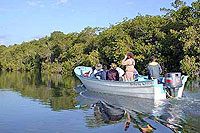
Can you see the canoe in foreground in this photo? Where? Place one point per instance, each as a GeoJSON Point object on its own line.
{"type": "Point", "coordinates": [142, 87]}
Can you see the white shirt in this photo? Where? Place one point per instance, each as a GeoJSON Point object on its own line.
{"type": "Point", "coordinates": [120, 71]}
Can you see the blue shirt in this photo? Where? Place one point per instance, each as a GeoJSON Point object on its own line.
{"type": "Point", "coordinates": [101, 74]}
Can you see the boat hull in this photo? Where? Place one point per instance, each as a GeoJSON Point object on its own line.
{"type": "Point", "coordinates": [140, 89]}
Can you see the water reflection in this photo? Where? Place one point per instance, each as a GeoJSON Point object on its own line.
{"type": "Point", "coordinates": [53, 90]}
{"type": "Point", "coordinates": [139, 110]}
{"type": "Point", "coordinates": [193, 85]}
{"type": "Point", "coordinates": [171, 115]}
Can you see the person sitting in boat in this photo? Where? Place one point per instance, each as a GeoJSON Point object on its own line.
{"type": "Point", "coordinates": [121, 73]}
{"type": "Point", "coordinates": [154, 69]}
{"type": "Point", "coordinates": [102, 74]}
{"type": "Point", "coordinates": [129, 62]}
{"type": "Point", "coordinates": [98, 68]}
{"type": "Point", "coordinates": [113, 74]}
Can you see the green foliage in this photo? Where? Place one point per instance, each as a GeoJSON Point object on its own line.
{"type": "Point", "coordinates": [173, 38]}
{"type": "Point", "coordinates": [189, 66]}
{"type": "Point", "coordinates": [94, 58]}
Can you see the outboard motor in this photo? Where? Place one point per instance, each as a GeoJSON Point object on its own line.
{"type": "Point", "coordinates": [173, 82]}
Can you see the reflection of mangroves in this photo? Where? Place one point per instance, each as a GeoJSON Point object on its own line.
{"type": "Point", "coordinates": [54, 90]}
{"type": "Point", "coordinates": [193, 85]}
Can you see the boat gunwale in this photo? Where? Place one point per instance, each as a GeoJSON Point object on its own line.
{"type": "Point", "coordinates": [112, 81]}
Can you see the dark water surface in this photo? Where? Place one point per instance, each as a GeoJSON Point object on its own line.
{"type": "Point", "coordinates": [48, 104]}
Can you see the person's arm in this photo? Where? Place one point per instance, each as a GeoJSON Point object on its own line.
{"type": "Point", "coordinates": [133, 62]}
{"type": "Point", "coordinates": [160, 69]}
{"type": "Point", "coordinates": [117, 76]}
{"type": "Point", "coordinates": [107, 75]}
{"type": "Point", "coordinates": [104, 75]}
{"type": "Point", "coordinates": [149, 72]}
{"type": "Point", "coordinates": [124, 62]}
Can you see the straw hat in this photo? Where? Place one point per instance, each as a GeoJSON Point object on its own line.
{"type": "Point", "coordinates": [98, 66]}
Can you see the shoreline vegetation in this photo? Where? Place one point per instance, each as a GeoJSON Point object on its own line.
{"type": "Point", "coordinates": [173, 38]}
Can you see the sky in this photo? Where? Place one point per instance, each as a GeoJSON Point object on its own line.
{"type": "Point", "coordinates": [26, 20]}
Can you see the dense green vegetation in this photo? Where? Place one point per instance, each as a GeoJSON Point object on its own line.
{"type": "Point", "coordinates": [174, 38]}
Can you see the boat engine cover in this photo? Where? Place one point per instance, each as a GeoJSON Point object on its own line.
{"type": "Point", "coordinates": [173, 80]}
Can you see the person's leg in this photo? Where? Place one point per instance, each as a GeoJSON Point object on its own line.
{"type": "Point", "coordinates": [125, 77]}
{"type": "Point", "coordinates": [129, 76]}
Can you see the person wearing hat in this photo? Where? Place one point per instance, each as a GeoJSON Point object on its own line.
{"type": "Point", "coordinates": [98, 68]}
{"type": "Point", "coordinates": [154, 69]}
{"type": "Point", "coordinates": [102, 73]}
{"type": "Point", "coordinates": [113, 74]}
{"type": "Point", "coordinates": [129, 62]}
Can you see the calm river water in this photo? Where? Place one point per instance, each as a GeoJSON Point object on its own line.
{"type": "Point", "coordinates": [38, 103]}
